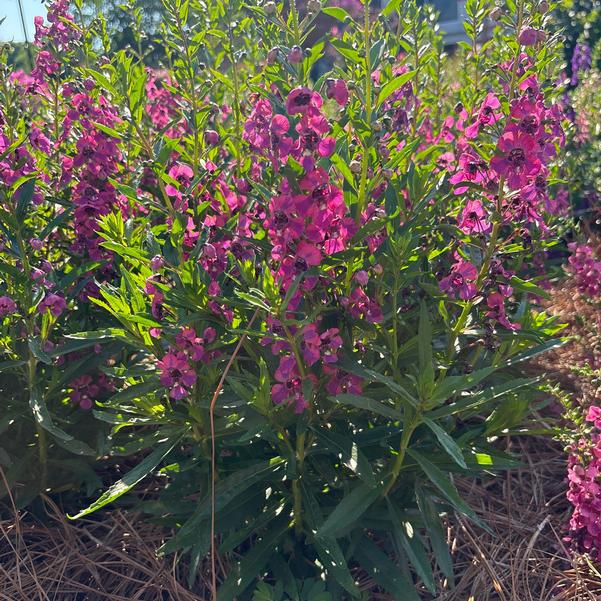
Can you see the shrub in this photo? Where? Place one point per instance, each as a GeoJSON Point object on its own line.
{"type": "Point", "coordinates": [301, 302]}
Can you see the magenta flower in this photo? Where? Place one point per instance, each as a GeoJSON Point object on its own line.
{"type": "Point", "coordinates": [584, 493]}
{"type": "Point", "coordinates": [176, 374]}
{"type": "Point", "coordinates": [517, 159]}
{"type": "Point", "coordinates": [496, 305]}
{"type": "Point", "coordinates": [472, 168]}
{"type": "Point", "coordinates": [84, 391]}
{"type": "Point", "coordinates": [54, 303]}
{"type": "Point", "coordinates": [302, 100]}
{"type": "Point", "coordinates": [193, 345]}
{"type": "Point", "coordinates": [337, 89]}
{"type": "Point", "coordinates": [473, 219]}
{"type": "Point", "coordinates": [339, 381]}
{"type": "Point", "coordinates": [7, 306]}
{"type": "Point", "coordinates": [487, 115]}
{"type": "Point", "coordinates": [323, 346]}
{"type": "Point", "coordinates": [289, 389]}
{"type": "Point", "coordinates": [360, 306]}
{"type": "Point", "coordinates": [211, 137]}
{"type": "Point", "coordinates": [460, 282]}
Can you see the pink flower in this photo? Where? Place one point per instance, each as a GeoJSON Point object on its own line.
{"type": "Point", "coordinates": [296, 55]}
{"type": "Point", "coordinates": [593, 414]}
{"type": "Point", "coordinates": [360, 306]}
{"type": "Point", "coordinates": [472, 168]}
{"type": "Point", "coordinates": [7, 306]}
{"type": "Point", "coordinates": [461, 280]}
{"type": "Point", "coordinates": [517, 158]}
{"type": "Point", "coordinates": [289, 389]}
{"type": "Point", "coordinates": [487, 115]}
{"type": "Point", "coordinates": [473, 219]}
{"type": "Point", "coordinates": [193, 345]}
{"type": "Point", "coordinates": [84, 391]}
{"type": "Point", "coordinates": [176, 374]}
{"type": "Point", "coordinates": [496, 305]}
{"type": "Point", "coordinates": [323, 346]}
{"type": "Point", "coordinates": [340, 381]}
{"type": "Point", "coordinates": [211, 137]}
{"type": "Point", "coordinates": [54, 303]}
{"type": "Point", "coordinates": [337, 89]}
{"type": "Point", "coordinates": [302, 100]}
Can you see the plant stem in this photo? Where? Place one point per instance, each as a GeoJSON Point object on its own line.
{"type": "Point", "coordinates": [398, 463]}
{"type": "Point", "coordinates": [361, 199]}
{"type": "Point", "coordinates": [296, 488]}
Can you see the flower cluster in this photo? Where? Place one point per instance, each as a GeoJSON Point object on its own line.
{"type": "Point", "coordinates": [176, 368]}
{"type": "Point", "coordinates": [584, 492]}
{"type": "Point", "coordinates": [511, 186]}
{"type": "Point", "coordinates": [585, 268]}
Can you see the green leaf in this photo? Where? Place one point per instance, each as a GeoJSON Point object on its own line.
{"type": "Point", "coordinates": [374, 376]}
{"type": "Point", "coordinates": [475, 400]}
{"type": "Point", "coordinates": [328, 550]}
{"type": "Point", "coordinates": [528, 287]}
{"type": "Point", "coordinates": [371, 405]}
{"type": "Point", "coordinates": [393, 5]}
{"type": "Point", "coordinates": [446, 487]}
{"type": "Point", "coordinates": [226, 491]}
{"type": "Point", "coordinates": [447, 443]}
{"type": "Point", "coordinates": [6, 365]}
{"type": "Point", "coordinates": [337, 13]}
{"type": "Point", "coordinates": [350, 509]}
{"type": "Point", "coordinates": [452, 385]}
{"type": "Point", "coordinates": [43, 417]}
{"type": "Point", "coordinates": [145, 467]}
{"type": "Point", "coordinates": [393, 85]}
{"type": "Point", "coordinates": [409, 540]}
{"type": "Point", "coordinates": [424, 350]}
{"type": "Point", "coordinates": [384, 571]}
{"type": "Point", "coordinates": [436, 534]}
{"type": "Point", "coordinates": [246, 571]}
{"type": "Point", "coordinates": [351, 454]}
{"type": "Point", "coordinates": [533, 352]}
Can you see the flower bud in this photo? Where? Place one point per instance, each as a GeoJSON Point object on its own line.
{"type": "Point", "coordinates": [270, 7]}
{"type": "Point", "coordinates": [156, 262]}
{"type": "Point", "coordinates": [530, 36]}
{"type": "Point", "coordinates": [355, 167]}
{"type": "Point", "coordinates": [543, 7]}
{"type": "Point", "coordinates": [496, 13]}
{"type": "Point", "coordinates": [272, 56]}
{"type": "Point", "coordinates": [211, 137]}
{"type": "Point", "coordinates": [295, 55]}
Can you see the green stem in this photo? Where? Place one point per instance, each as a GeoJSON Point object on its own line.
{"type": "Point", "coordinates": [296, 485]}
{"type": "Point", "coordinates": [362, 200]}
{"type": "Point", "coordinates": [400, 458]}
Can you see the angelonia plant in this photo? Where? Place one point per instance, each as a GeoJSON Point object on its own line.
{"type": "Point", "coordinates": [293, 272]}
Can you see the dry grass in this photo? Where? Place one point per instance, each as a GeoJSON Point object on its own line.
{"type": "Point", "coordinates": [109, 560]}
{"type": "Point", "coordinates": [525, 560]}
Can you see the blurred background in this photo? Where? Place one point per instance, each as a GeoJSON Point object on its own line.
{"type": "Point", "coordinates": [580, 21]}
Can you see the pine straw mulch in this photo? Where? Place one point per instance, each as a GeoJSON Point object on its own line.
{"type": "Point", "coordinates": [114, 558]}
{"type": "Point", "coordinates": [526, 559]}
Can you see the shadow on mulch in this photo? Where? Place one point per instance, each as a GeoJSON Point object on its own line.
{"type": "Point", "coordinates": [114, 559]}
